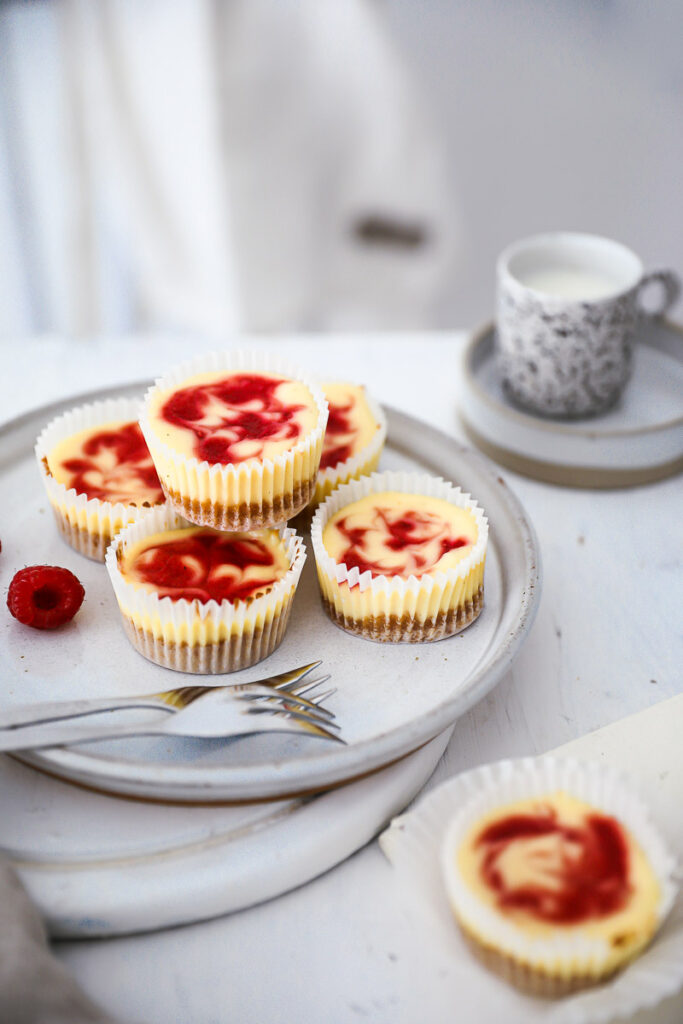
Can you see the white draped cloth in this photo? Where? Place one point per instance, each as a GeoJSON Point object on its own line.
{"type": "Point", "coordinates": [212, 165]}
{"type": "Point", "coordinates": [34, 987]}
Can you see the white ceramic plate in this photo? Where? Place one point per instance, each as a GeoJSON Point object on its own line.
{"type": "Point", "coordinates": [97, 865]}
{"type": "Point", "coordinates": [638, 441]}
{"type": "Point", "coordinates": [390, 699]}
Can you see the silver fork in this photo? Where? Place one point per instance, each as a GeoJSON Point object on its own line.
{"type": "Point", "coordinates": [22, 716]}
{"type": "Point", "coordinates": [223, 711]}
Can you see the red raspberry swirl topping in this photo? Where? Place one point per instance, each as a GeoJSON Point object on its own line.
{"type": "Point", "coordinates": [226, 412]}
{"type": "Point", "coordinates": [339, 435]}
{"type": "Point", "coordinates": [423, 537]}
{"type": "Point", "coordinates": [44, 596]}
{"type": "Point", "coordinates": [587, 872]}
{"type": "Point", "coordinates": [207, 565]}
{"type": "Point", "coordinates": [115, 466]}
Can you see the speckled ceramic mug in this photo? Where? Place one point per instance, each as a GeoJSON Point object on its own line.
{"type": "Point", "coordinates": [567, 310]}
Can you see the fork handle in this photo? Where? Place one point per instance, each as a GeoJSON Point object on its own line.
{"type": "Point", "coordinates": [24, 715]}
{"type": "Point", "coordinates": [34, 737]}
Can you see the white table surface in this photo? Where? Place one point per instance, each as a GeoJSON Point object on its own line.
{"type": "Point", "coordinates": [606, 643]}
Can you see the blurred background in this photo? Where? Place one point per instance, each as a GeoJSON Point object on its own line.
{"type": "Point", "coordinates": [212, 165]}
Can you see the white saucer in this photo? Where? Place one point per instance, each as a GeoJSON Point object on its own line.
{"type": "Point", "coordinates": [638, 441]}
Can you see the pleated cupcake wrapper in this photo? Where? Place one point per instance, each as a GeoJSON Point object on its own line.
{"type": "Point", "coordinates": [569, 953]}
{"type": "Point", "coordinates": [202, 637]}
{"type": "Point", "coordinates": [249, 495]}
{"type": "Point", "coordinates": [390, 607]}
{"type": "Point", "coordinates": [362, 463]}
{"type": "Point", "coordinates": [421, 846]}
{"type": "Point", "coordinates": [87, 524]}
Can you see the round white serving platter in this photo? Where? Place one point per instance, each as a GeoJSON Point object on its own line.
{"type": "Point", "coordinates": [638, 441]}
{"type": "Point", "coordinates": [99, 865]}
{"type": "Point", "coordinates": [390, 699]}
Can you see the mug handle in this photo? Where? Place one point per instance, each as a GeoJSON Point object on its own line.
{"type": "Point", "coordinates": [670, 284]}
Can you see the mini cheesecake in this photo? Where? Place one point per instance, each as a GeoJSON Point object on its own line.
{"type": "Point", "coordinates": [98, 473]}
{"type": "Point", "coordinates": [354, 437]}
{"type": "Point", "coordinates": [552, 892]}
{"type": "Point", "coordinates": [201, 564]}
{"type": "Point", "coordinates": [236, 440]}
{"type": "Point", "coordinates": [400, 564]}
{"type": "Point", "coordinates": [198, 600]}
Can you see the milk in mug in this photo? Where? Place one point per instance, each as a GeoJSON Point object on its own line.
{"type": "Point", "coordinates": [570, 283]}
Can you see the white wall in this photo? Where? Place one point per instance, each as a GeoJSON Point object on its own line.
{"type": "Point", "coordinates": [556, 115]}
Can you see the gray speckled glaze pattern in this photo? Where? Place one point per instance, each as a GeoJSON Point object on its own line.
{"type": "Point", "coordinates": [571, 360]}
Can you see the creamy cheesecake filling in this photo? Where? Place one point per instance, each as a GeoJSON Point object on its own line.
{"type": "Point", "coordinates": [558, 862]}
{"type": "Point", "coordinates": [198, 563]}
{"type": "Point", "coordinates": [231, 417]}
{"type": "Point", "coordinates": [110, 462]}
{"type": "Point", "coordinates": [397, 534]}
{"type": "Point", "coordinates": [351, 425]}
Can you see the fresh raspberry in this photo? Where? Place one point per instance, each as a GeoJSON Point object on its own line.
{"type": "Point", "coordinates": [44, 596]}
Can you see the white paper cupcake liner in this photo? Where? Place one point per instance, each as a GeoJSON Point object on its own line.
{"type": "Point", "coordinates": [249, 495]}
{"type": "Point", "coordinates": [391, 608]}
{"type": "Point", "coordinates": [417, 843]}
{"type": "Point", "coordinates": [202, 637]}
{"type": "Point", "coordinates": [363, 463]}
{"type": "Point", "coordinates": [87, 524]}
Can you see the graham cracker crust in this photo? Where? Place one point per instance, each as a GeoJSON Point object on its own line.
{"type": "Point", "coordinates": [247, 515]}
{"type": "Point", "coordinates": [532, 980]}
{"type": "Point", "coordinates": [229, 655]}
{"type": "Point", "coordinates": [92, 545]}
{"type": "Point", "coordinates": [406, 629]}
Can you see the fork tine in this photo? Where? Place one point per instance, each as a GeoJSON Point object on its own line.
{"type": "Point", "coordinates": [318, 730]}
{"type": "Point", "coordinates": [292, 721]}
{"type": "Point", "coordinates": [318, 700]}
{"type": "Point", "coordinates": [278, 697]}
{"type": "Point", "coordinates": [284, 705]}
{"type": "Point", "coordinates": [301, 688]}
{"type": "Point", "coordinates": [298, 714]}
{"type": "Point", "coordinates": [293, 676]}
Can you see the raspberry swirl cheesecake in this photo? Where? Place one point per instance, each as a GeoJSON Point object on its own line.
{"type": "Point", "coordinates": [198, 600]}
{"type": "Point", "coordinates": [557, 890]}
{"type": "Point", "coordinates": [400, 557]}
{"type": "Point", "coordinates": [236, 439]}
{"type": "Point", "coordinates": [98, 472]}
{"type": "Point", "coordinates": [354, 437]}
